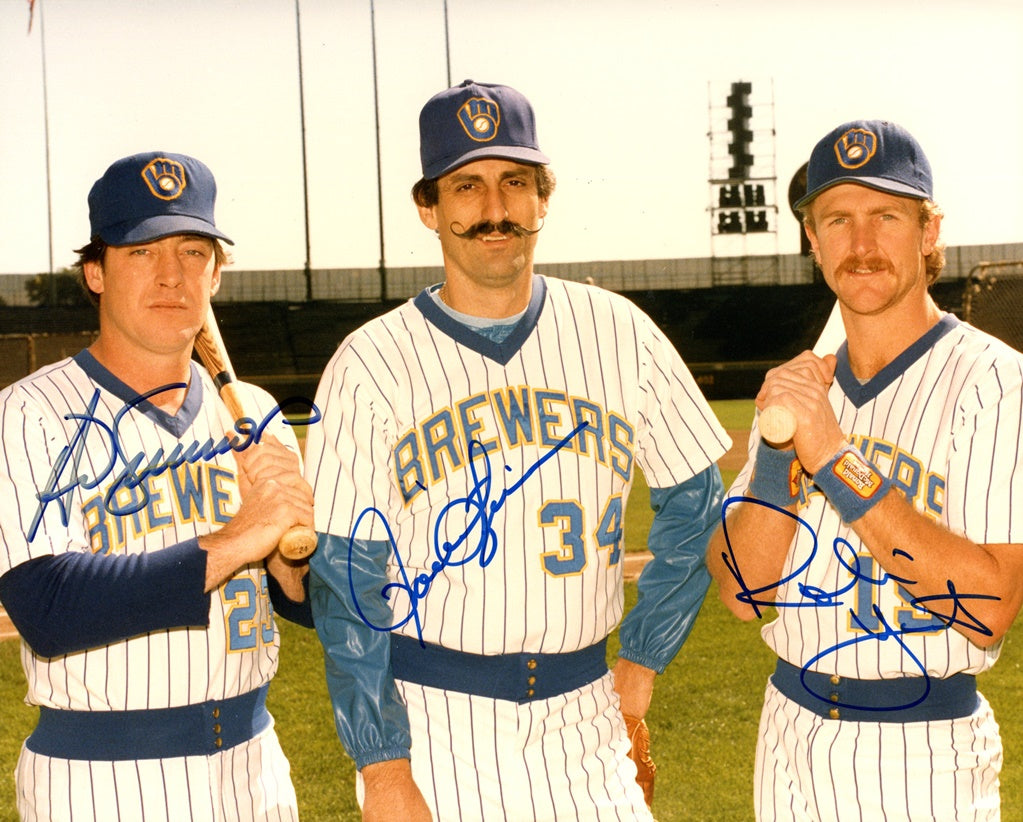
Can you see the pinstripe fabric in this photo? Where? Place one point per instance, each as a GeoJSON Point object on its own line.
{"type": "Point", "coordinates": [402, 382]}
{"type": "Point", "coordinates": [407, 400]}
{"type": "Point", "coordinates": [562, 758]}
{"type": "Point", "coordinates": [250, 782]}
{"type": "Point", "coordinates": [810, 768]}
{"type": "Point", "coordinates": [236, 653]}
{"type": "Point", "coordinates": [945, 422]}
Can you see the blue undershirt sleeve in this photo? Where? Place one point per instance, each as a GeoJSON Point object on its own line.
{"type": "Point", "coordinates": [347, 589]}
{"type": "Point", "coordinates": [674, 583]}
{"type": "Point", "coordinates": [70, 602]}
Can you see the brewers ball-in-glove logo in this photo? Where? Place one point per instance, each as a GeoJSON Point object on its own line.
{"type": "Point", "coordinates": [855, 148]}
{"type": "Point", "coordinates": [165, 178]}
{"type": "Point", "coordinates": [480, 118]}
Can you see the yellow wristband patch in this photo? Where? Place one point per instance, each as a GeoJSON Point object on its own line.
{"type": "Point", "coordinates": [795, 475]}
{"type": "Point", "coordinates": [857, 474]}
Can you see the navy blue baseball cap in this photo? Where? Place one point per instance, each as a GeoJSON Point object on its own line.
{"type": "Point", "coordinates": [473, 120]}
{"type": "Point", "coordinates": [152, 195]}
{"type": "Point", "coordinates": [873, 153]}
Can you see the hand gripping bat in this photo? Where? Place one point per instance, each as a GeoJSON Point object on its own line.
{"type": "Point", "coordinates": [299, 541]}
{"type": "Point", "coordinates": [777, 423]}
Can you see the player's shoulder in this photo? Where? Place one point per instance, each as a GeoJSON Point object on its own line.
{"type": "Point", "coordinates": [48, 380]}
{"type": "Point", "coordinates": [378, 342]}
{"type": "Point", "coordinates": [575, 293]}
{"type": "Point", "coordinates": [987, 368]}
{"type": "Point", "coordinates": [968, 341]}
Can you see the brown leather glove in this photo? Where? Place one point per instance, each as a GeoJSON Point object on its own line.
{"type": "Point", "coordinates": [639, 736]}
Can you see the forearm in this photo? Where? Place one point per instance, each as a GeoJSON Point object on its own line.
{"type": "Point", "coordinates": [391, 793]}
{"type": "Point", "coordinates": [351, 617]}
{"type": "Point", "coordinates": [634, 684]}
{"type": "Point", "coordinates": [71, 602]}
{"type": "Point", "coordinates": [978, 588]}
{"type": "Point", "coordinates": [674, 583]}
{"type": "Point", "coordinates": [747, 553]}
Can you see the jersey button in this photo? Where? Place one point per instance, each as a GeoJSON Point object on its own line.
{"type": "Point", "coordinates": [216, 713]}
{"type": "Point", "coordinates": [835, 679]}
{"type": "Point", "coordinates": [531, 664]}
{"type": "Point", "coordinates": [530, 692]}
{"type": "Point", "coordinates": [834, 713]}
{"type": "Point", "coordinates": [216, 728]}
{"type": "Point", "coordinates": [218, 742]}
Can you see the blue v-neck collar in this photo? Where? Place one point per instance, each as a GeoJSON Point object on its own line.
{"type": "Point", "coordinates": [500, 352]}
{"type": "Point", "coordinates": [861, 393]}
{"type": "Point", "coordinates": [176, 424]}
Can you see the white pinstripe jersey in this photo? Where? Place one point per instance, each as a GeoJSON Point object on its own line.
{"type": "Point", "coordinates": [403, 399]}
{"type": "Point", "coordinates": [944, 422]}
{"type": "Point", "coordinates": [239, 649]}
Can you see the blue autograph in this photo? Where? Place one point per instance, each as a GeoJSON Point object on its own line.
{"type": "Point", "coordinates": [476, 542]}
{"type": "Point", "coordinates": [814, 597]}
{"type": "Point", "coordinates": [66, 475]}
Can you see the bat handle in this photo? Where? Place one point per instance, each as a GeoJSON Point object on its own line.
{"type": "Point", "coordinates": [298, 542]}
{"type": "Point", "coordinates": [777, 424]}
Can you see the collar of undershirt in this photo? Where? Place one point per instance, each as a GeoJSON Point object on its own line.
{"type": "Point", "coordinates": [500, 352]}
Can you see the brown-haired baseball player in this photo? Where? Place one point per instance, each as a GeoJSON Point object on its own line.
{"type": "Point", "coordinates": [888, 534]}
{"type": "Point", "coordinates": [477, 450]}
{"type": "Point", "coordinates": [138, 555]}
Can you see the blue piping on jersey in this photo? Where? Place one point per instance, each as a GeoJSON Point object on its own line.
{"type": "Point", "coordinates": [860, 394]}
{"type": "Point", "coordinates": [176, 424]}
{"type": "Point", "coordinates": [501, 352]}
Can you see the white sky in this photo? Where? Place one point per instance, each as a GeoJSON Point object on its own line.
{"type": "Point", "coordinates": [622, 91]}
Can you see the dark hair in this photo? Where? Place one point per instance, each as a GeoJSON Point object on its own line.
{"type": "Point", "coordinates": [425, 192]}
{"type": "Point", "coordinates": [95, 250]}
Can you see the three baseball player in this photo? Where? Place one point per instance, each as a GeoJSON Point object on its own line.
{"type": "Point", "coordinates": [471, 472]}
{"type": "Point", "coordinates": [888, 534]}
{"type": "Point", "coordinates": [138, 546]}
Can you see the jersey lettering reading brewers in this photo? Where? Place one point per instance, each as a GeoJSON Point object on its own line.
{"type": "Point", "coordinates": [894, 559]}
{"type": "Point", "coordinates": [471, 475]}
{"type": "Point", "coordinates": [134, 532]}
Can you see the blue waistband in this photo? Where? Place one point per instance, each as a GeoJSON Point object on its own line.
{"type": "Point", "coordinates": [906, 699]}
{"type": "Point", "coordinates": [191, 730]}
{"type": "Point", "coordinates": [512, 677]}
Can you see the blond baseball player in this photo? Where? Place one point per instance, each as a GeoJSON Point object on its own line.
{"type": "Point", "coordinates": [471, 475]}
{"type": "Point", "coordinates": [138, 555]}
{"type": "Point", "coordinates": [887, 534]}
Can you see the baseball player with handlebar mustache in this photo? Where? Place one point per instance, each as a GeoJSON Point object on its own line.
{"type": "Point", "coordinates": [471, 475]}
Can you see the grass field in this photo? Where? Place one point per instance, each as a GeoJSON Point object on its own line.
{"type": "Point", "coordinates": [703, 720]}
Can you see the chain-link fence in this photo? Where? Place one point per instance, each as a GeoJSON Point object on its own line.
{"type": "Point", "coordinates": [993, 300]}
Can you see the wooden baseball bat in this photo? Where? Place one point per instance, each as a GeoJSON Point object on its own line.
{"type": "Point", "coordinates": [776, 423]}
{"type": "Point", "coordinates": [299, 541]}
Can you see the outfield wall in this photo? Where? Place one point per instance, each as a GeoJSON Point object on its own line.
{"type": "Point", "coordinates": [370, 285]}
{"type": "Point", "coordinates": [729, 336]}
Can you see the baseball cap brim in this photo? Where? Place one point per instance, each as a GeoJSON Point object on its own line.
{"type": "Point", "coordinates": [877, 183]}
{"type": "Point", "coordinates": [158, 227]}
{"type": "Point", "coordinates": [519, 154]}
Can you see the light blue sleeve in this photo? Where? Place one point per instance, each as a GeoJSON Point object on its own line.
{"type": "Point", "coordinates": [673, 584]}
{"type": "Point", "coordinates": [350, 614]}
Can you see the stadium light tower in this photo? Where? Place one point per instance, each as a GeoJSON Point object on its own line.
{"type": "Point", "coordinates": [742, 183]}
{"type": "Point", "coordinates": [740, 146]}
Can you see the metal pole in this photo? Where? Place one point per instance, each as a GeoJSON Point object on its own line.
{"type": "Point", "coordinates": [305, 184]}
{"type": "Point", "coordinates": [380, 188]}
{"type": "Point", "coordinates": [46, 140]}
{"type": "Point", "coordinates": [447, 42]}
